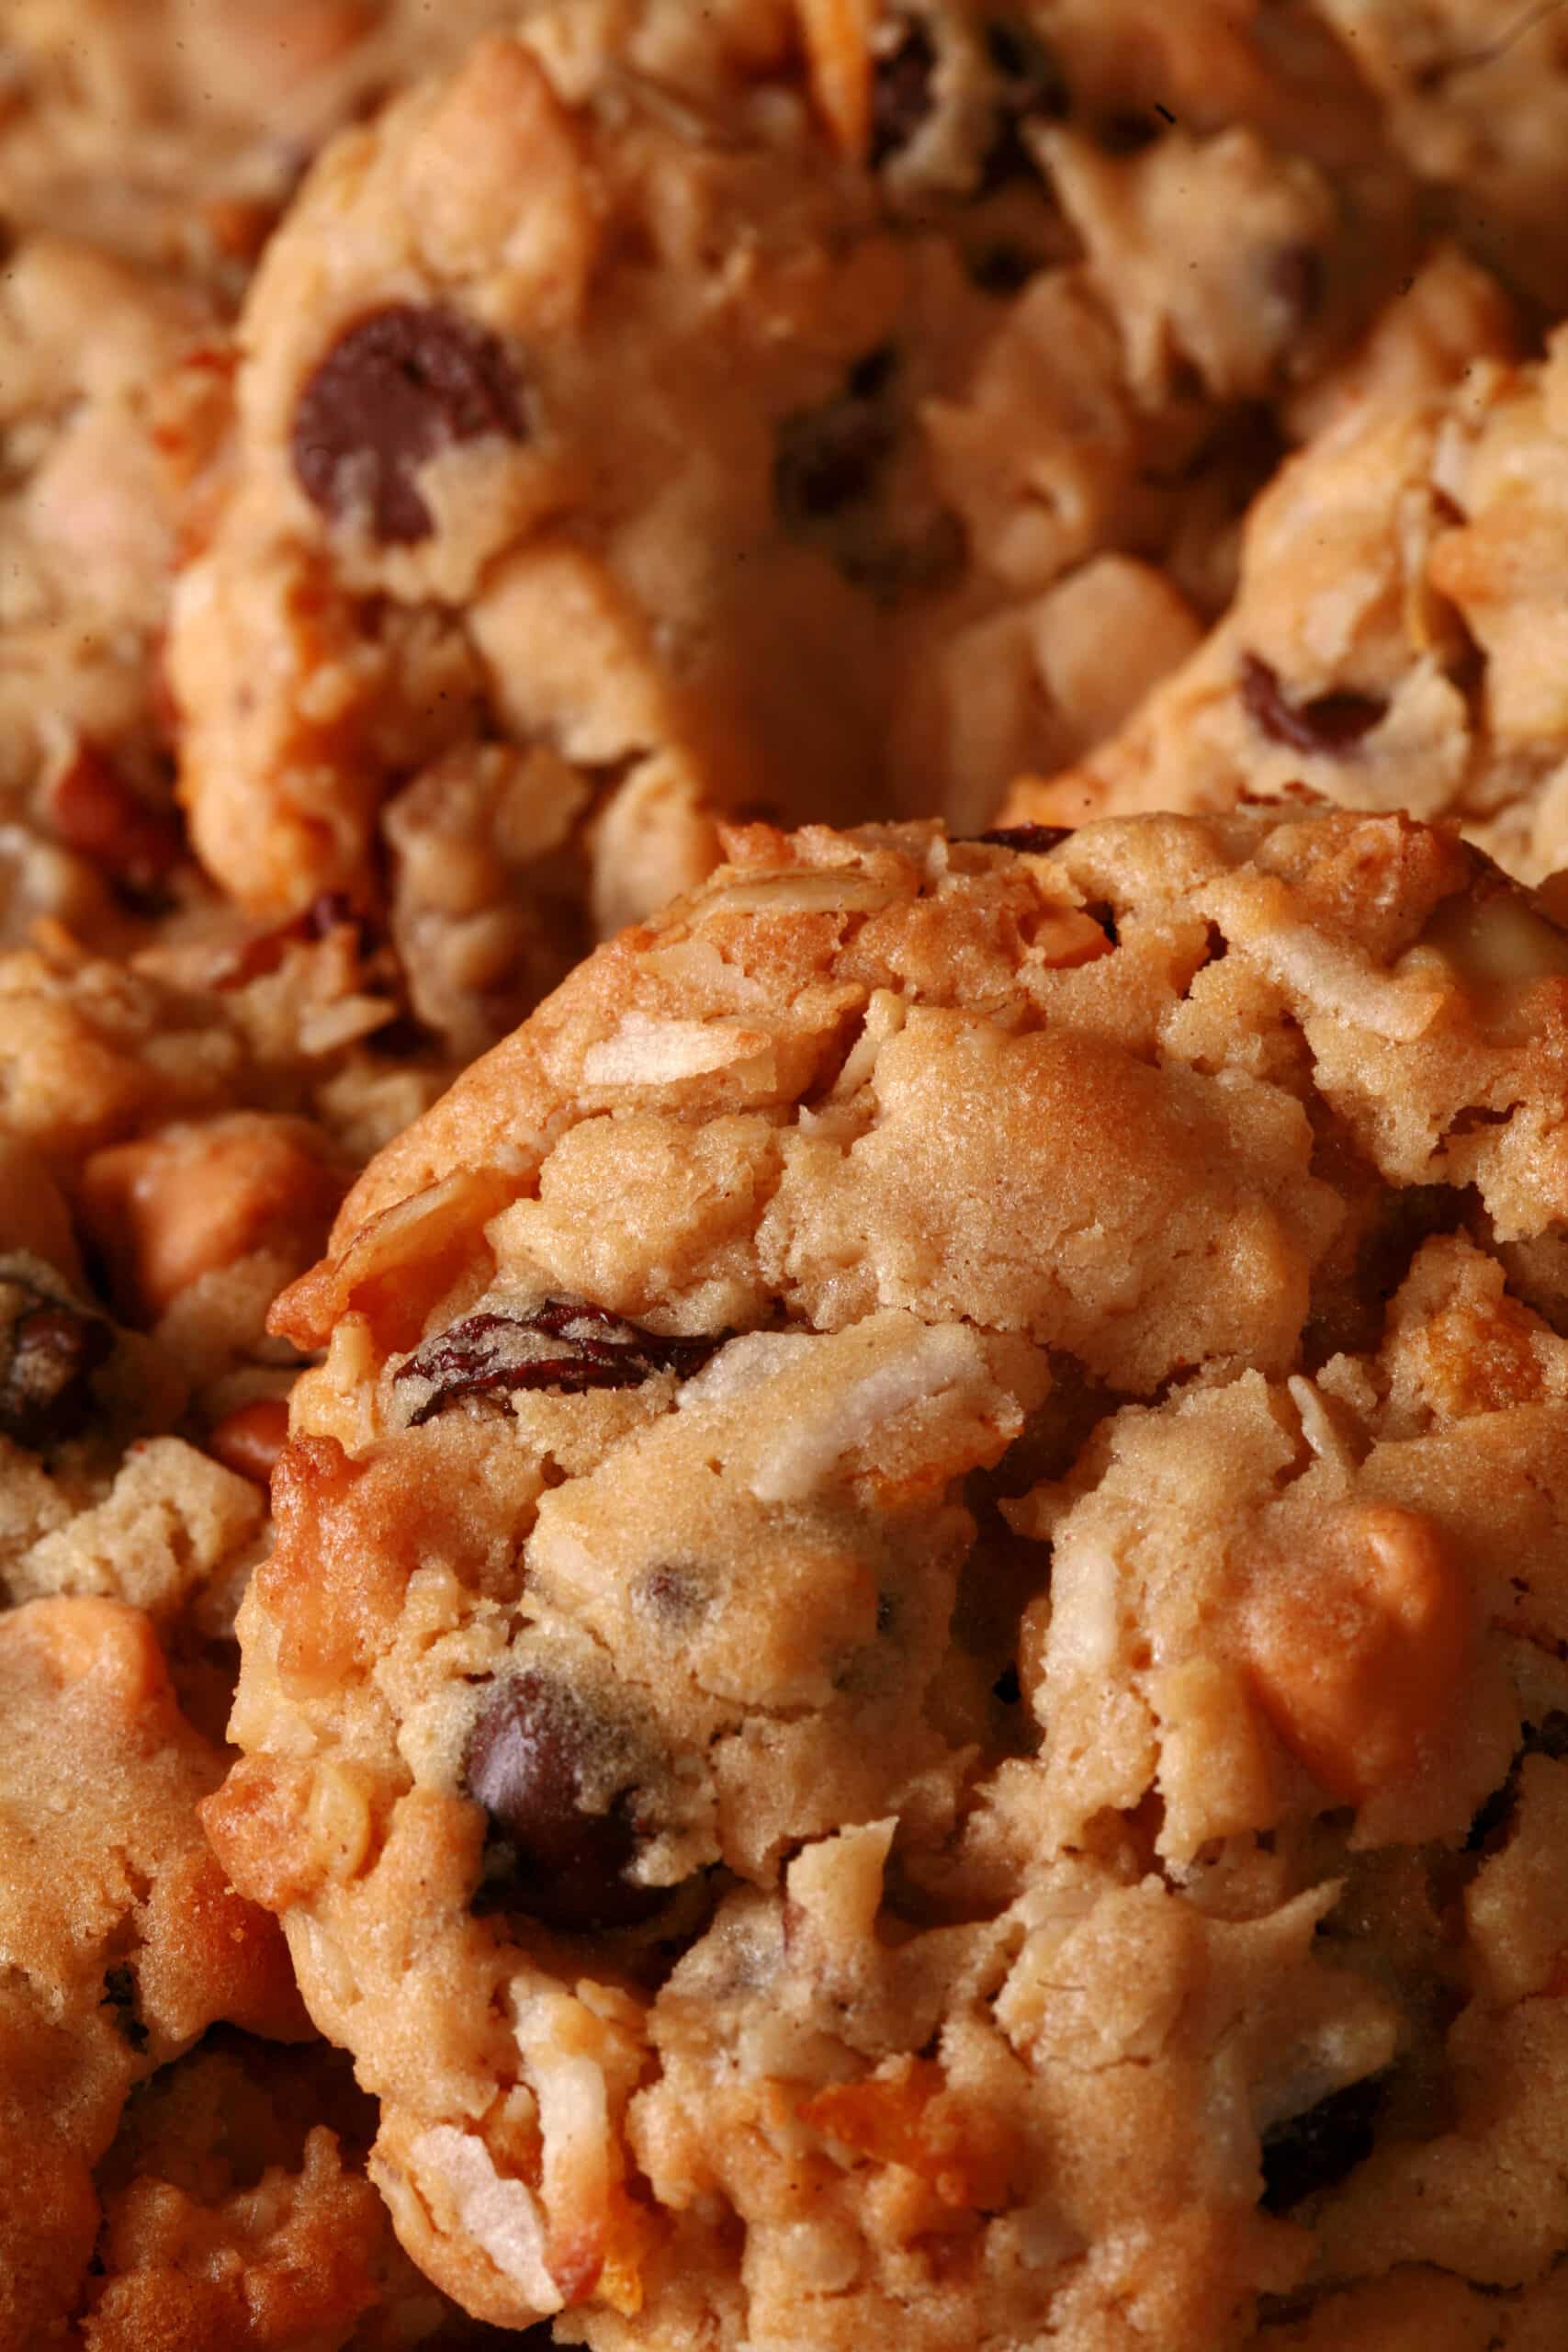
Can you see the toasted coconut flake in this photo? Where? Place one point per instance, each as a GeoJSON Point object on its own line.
{"type": "Point", "coordinates": [500, 2215]}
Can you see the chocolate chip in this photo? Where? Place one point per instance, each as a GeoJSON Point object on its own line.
{"type": "Point", "coordinates": [119, 1997]}
{"type": "Point", "coordinates": [531, 1745]}
{"type": "Point", "coordinates": [47, 1357]}
{"type": "Point", "coordinates": [565, 1345]}
{"type": "Point", "coordinates": [1296, 274]}
{"type": "Point", "coordinates": [1314, 2150]}
{"type": "Point", "coordinates": [1028, 840]}
{"type": "Point", "coordinates": [831, 458]}
{"type": "Point", "coordinates": [901, 92]}
{"type": "Point", "coordinates": [396, 388]}
{"type": "Point", "coordinates": [1328, 726]}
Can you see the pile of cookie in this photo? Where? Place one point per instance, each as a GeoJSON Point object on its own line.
{"type": "Point", "coordinates": [783, 1175]}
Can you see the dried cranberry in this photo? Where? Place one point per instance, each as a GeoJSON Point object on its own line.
{"type": "Point", "coordinates": [528, 1752]}
{"type": "Point", "coordinates": [584, 1347]}
{"type": "Point", "coordinates": [1028, 840]}
{"type": "Point", "coordinates": [51, 1351]}
{"type": "Point", "coordinates": [901, 92]}
{"type": "Point", "coordinates": [96, 812]}
{"type": "Point", "coordinates": [1328, 726]}
{"type": "Point", "coordinates": [1315, 2151]}
{"type": "Point", "coordinates": [395, 389]}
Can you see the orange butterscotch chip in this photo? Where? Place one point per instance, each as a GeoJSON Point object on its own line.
{"type": "Point", "coordinates": [1357, 1645]}
{"type": "Point", "coordinates": [913, 2119]}
{"type": "Point", "coordinates": [251, 1438]}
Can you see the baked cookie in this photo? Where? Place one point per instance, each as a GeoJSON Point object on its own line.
{"type": "Point", "coordinates": [758, 406]}
{"type": "Point", "coordinates": [111, 392]}
{"type": "Point", "coordinates": [120, 1938]}
{"type": "Point", "coordinates": [1396, 641]}
{"type": "Point", "coordinates": [237, 2214]}
{"type": "Point", "coordinates": [1477, 103]}
{"type": "Point", "coordinates": [911, 1682]}
{"type": "Point", "coordinates": [175, 129]}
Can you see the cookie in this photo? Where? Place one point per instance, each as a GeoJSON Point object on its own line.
{"type": "Point", "coordinates": [176, 129]}
{"type": "Point", "coordinates": [1394, 642]}
{"type": "Point", "coordinates": [1477, 103]}
{"type": "Point", "coordinates": [911, 1677]}
{"type": "Point", "coordinates": [674, 413]}
{"type": "Point", "coordinates": [237, 2213]}
{"type": "Point", "coordinates": [121, 1940]}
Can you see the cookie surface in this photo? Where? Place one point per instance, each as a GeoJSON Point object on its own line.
{"type": "Point", "coordinates": [909, 1678]}
{"type": "Point", "coordinates": [120, 1938]}
{"type": "Point", "coordinates": [674, 413]}
{"type": "Point", "coordinates": [1395, 640]}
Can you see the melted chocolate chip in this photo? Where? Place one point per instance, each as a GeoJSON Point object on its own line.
{"type": "Point", "coordinates": [47, 1361]}
{"type": "Point", "coordinates": [527, 1755]}
{"type": "Point", "coordinates": [1315, 2151]}
{"type": "Point", "coordinates": [1028, 840]}
{"type": "Point", "coordinates": [1328, 726]}
{"type": "Point", "coordinates": [583, 1347]}
{"type": "Point", "coordinates": [901, 92]}
{"type": "Point", "coordinates": [396, 388]}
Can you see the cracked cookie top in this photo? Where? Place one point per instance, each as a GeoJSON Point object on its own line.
{"type": "Point", "coordinates": [911, 1675]}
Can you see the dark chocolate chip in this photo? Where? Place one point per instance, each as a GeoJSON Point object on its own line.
{"type": "Point", "coordinates": [527, 1753]}
{"type": "Point", "coordinates": [120, 1997]}
{"type": "Point", "coordinates": [47, 1361]}
{"type": "Point", "coordinates": [901, 92]}
{"type": "Point", "coordinates": [583, 1347]}
{"type": "Point", "coordinates": [397, 387]}
{"type": "Point", "coordinates": [1327, 726]}
{"type": "Point", "coordinates": [1028, 840]}
{"type": "Point", "coordinates": [1314, 2150]}
{"type": "Point", "coordinates": [831, 458]}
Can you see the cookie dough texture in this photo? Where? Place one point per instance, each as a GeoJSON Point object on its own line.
{"type": "Point", "coordinates": [675, 411]}
{"type": "Point", "coordinates": [121, 1938]}
{"type": "Point", "coordinates": [910, 1683]}
{"type": "Point", "coordinates": [1397, 638]}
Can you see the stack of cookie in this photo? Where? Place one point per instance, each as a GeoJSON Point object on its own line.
{"type": "Point", "coordinates": [783, 1175]}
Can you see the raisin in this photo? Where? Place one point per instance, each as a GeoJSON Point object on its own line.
{"type": "Point", "coordinates": [584, 1347]}
{"type": "Point", "coordinates": [524, 1763]}
{"type": "Point", "coordinates": [901, 92]}
{"type": "Point", "coordinates": [395, 389]}
{"type": "Point", "coordinates": [96, 812]}
{"type": "Point", "coordinates": [1329, 725]}
{"type": "Point", "coordinates": [47, 1361]}
{"type": "Point", "coordinates": [1028, 840]}
{"type": "Point", "coordinates": [1315, 2151]}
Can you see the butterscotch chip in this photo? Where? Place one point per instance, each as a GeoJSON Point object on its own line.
{"type": "Point", "coordinates": [904, 1607]}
